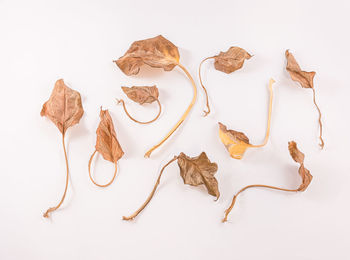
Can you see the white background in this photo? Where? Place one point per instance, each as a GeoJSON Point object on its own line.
{"type": "Point", "coordinates": [42, 41]}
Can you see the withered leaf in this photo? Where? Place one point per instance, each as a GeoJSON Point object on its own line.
{"type": "Point", "coordinates": [231, 60]}
{"type": "Point", "coordinates": [142, 95]}
{"type": "Point", "coordinates": [156, 52]}
{"type": "Point", "coordinates": [107, 143]}
{"type": "Point", "coordinates": [304, 173]}
{"type": "Point", "coordinates": [199, 170]}
{"type": "Point", "coordinates": [306, 79]}
{"type": "Point", "coordinates": [64, 107]}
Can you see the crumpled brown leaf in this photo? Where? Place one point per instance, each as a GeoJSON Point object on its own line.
{"type": "Point", "coordinates": [304, 173]}
{"type": "Point", "coordinates": [107, 143]}
{"type": "Point", "coordinates": [142, 95]}
{"type": "Point", "coordinates": [64, 107]}
{"type": "Point", "coordinates": [156, 52]}
{"type": "Point", "coordinates": [306, 79]}
{"type": "Point", "coordinates": [231, 60]}
{"type": "Point", "coordinates": [199, 170]}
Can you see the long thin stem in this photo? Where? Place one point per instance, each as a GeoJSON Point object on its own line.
{"type": "Point", "coordinates": [227, 211]}
{"type": "Point", "coordinates": [101, 185]}
{"type": "Point", "coordinates": [269, 117]}
{"type": "Point", "coordinates": [205, 90]}
{"type": "Point", "coordinates": [137, 121]}
{"type": "Point", "coordinates": [131, 217]}
{"type": "Point", "coordinates": [47, 213]}
{"type": "Point", "coordinates": [183, 117]}
{"type": "Point", "coordinates": [319, 118]}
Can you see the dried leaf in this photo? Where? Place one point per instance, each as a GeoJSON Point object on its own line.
{"type": "Point", "coordinates": [306, 79]}
{"type": "Point", "coordinates": [298, 156]}
{"type": "Point", "coordinates": [156, 52]}
{"type": "Point", "coordinates": [142, 95]}
{"type": "Point", "coordinates": [64, 107]}
{"type": "Point", "coordinates": [107, 143]}
{"type": "Point", "coordinates": [199, 170]}
{"type": "Point", "coordinates": [231, 60]}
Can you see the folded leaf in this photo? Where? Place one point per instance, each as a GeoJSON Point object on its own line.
{"type": "Point", "coordinates": [64, 107]}
{"type": "Point", "coordinates": [231, 60]}
{"type": "Point", "coordinates": [156, 52]}
{"type": "Point", "coordinates": [199, 170]}
{"type": "Point", "coordinates": [142, 95]}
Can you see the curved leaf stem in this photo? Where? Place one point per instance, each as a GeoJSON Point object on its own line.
{"type": "Point", "coordinates": [47, 213]}
{"type": "Point", "coordinates": [205, 90]}
{"type": "Point", "coordinates": [319, 118]}
{"type": "Point", "coordinates": [134, 215]}
{"type": "Point", "coordinates": [183, 117]}
{"type": "Point", "coordinates": [101, 185]}
{"type": "Point", "coordinates": [137, 121]}
{"type": "Point", "coordinates": [227, 211]}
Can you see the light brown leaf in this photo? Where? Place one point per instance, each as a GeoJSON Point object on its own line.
{"type": "Point", "coordinates": [304, 173]}
{"type": "Point", "coordinates": [156, 52]}
{"type": "Point", "coordinates": [306, 79]}
{"type": "Point", "coordinates": [142, 95]}
{"type": "Point", "coordinates": [199, 170]}
{"type": "Point", "coordinates": [107, 143]}
{"type": "Point", "coordinates": [64, 107]}
{"type": "Point", "coordinates": [231, 60]}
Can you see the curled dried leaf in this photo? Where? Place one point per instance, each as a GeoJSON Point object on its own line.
{"type": "Point", "coordinates": [199, 170]}
{"type": "Point", "coordinates": [194, 171]}
{"type": "Point", "coordinates": [142, 95]}
{"type": "Point", "coordinates": [64, 109]}
{"type": "Point", "coordinates": [306, 80]}
{"type": "Point", "coordinates": [156, 52]}
{"type": "Point", "coordinates": [231, 60]}
{"type": "Point", "coordinates": [106, 144]}
{"type": "Point", "coordinates": [295, 153]}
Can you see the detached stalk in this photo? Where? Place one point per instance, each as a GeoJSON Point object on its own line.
{"type": "Point", "coordinates": [137, 121]}
{"type": "Point", "coordinates": [268, 119]}
{"type": "Point", "coordinates": [134, 215]}
{"type": "Point", "coordinates": [182, 119]}
{"type": "Point", "coordinates": [205, 90]}
{"type": "Point", "coordinates": [47, 213]}
{"type": "Point", "coordinates": [227, 211]}
{"type": "Point", "coordinates": [101, 185]}
{"type": "Point", "coordinates": [319, 118]}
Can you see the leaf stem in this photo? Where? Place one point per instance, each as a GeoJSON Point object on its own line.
{"type": "Point", "coordinates": [137, 121]}
{"type": "Point", "coordinates": [319, 118]}
{"type": "Point", "coordinates": [268, 119]}
{"type": "Point", "coordinates": [131, 217]}
{"type": "Point", "coordinates": [227, 211]}
{"type": "Point", "coordinates": [47, 213]}
{"type": "Point", "coordinates": [205, 90]}
{"type": "Point", "coordinates": [183, 117]}
{"type": "Point", "coordinates": [101, 185]}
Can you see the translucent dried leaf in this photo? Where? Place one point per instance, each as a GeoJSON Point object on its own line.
{"type": "Point", "coordinates": [231, 60]}
{"type": "Point", "coordinates": [306, 79]}
{"type": "Point", "coordinates": [199, 170]}
{"type": "Point", "coordinates": [64, 107]}
{"type": "Point", "coordinates": [156, 52]}
{"type": "Point", "coordinates": [142, 95]}
{"type": "Point", "coordinates": [298, 156]}
{"type": "Point", "coordinates": [107, 143]}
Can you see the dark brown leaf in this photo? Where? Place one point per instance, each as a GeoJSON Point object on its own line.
{"type": "Point", "coordinates": [231, 60]}
{"type": "Point", "coordinates": [295, 153]}
{"type": "Point", "coordinates": [64, 107]}
{"type": "Point", "coordinates": [156, 52]}
{"type": "Point", "coordinates": [107, 143]}
{"type": "Point", "coordinates": [142, 95]}
{"type": "Point", "coordinates": [306, 79]}
{"type": "Point", "coordinates": [199, 170]}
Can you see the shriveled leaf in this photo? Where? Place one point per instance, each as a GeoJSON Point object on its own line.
{"type": "Point", "coordinates": [231, 60]}
{"type": "Point", "coordinates": [304, 173]}
{"type": "Point", "coordinates": [235, 142]}
{"type": "Point", "coordinates": [306, 79]}
{"type": "Point", "coordinates": [64, 107]}
{"type": "Point", "coordinates": [142, 95]}
{"type": "Point", "coordinates": [156, 52]}
{"type": "Point", "coordinates": [107, 143]}
{"type": "Point", "coordinates": [199, 170]}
